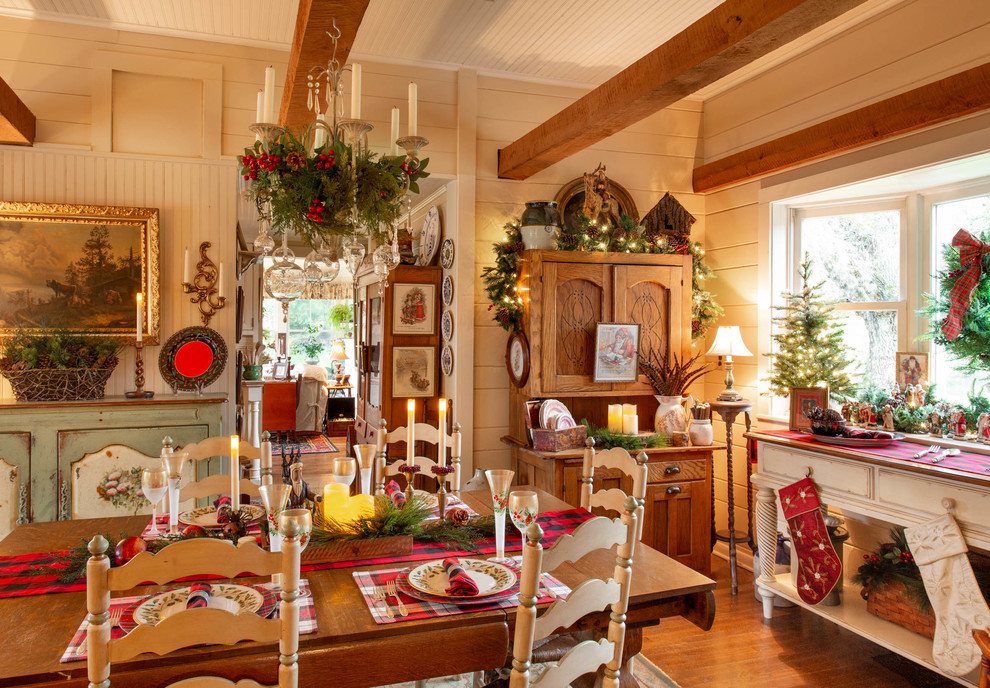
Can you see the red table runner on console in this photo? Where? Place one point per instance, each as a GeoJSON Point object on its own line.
{"type": "Point", "coordinates": [20, 575]}
{"type": "Point", "coordinates": [902, 451]}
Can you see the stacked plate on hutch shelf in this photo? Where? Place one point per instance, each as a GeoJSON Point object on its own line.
{"type": "Point", "coordinates": [555, 416]}
{"type": "Point", "coordinates": [428, 582]}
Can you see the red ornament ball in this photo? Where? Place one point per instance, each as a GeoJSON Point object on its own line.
{"type": "Point", "coordinates": [128, 548]}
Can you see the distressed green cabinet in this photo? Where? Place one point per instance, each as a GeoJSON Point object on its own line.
{"type": "Point", "coordinates": [44, 439]}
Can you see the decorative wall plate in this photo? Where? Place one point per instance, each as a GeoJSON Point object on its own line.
{"type": "Point", "coordinates": [447, 290]}
{"type": "Point", "coordinates": [447, 360]}
{"type": "Point", "coordinates": [447, 325]}
{"type": "Point", "coordinates": [517, 358]}
{"type": "Point", "coordinates": [447, 254]}
{"type": "Point", "coordinates": [429, 239]}
{"type": "Point", "coordinates": [192, 358]}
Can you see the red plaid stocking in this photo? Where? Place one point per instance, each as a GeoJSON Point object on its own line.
{"type": "Point", "coordinates": [818, 565]}
{"type": "Point", "coordinates": [971, 252]}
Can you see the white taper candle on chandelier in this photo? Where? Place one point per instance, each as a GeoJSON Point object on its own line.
{"type": "Point", "coordinates": [413, 109]}
{"type": "Point", "coordinates": [319, 138]}
{"type": "Point", "coordinates": [395, 130]}
{"type": "Point", "coordinates": [269, 99]}
{"type": "Point", "coordinates": [259, 110]}
{"type": "Point", "coordinates": [410, 433]}
{"type": "Point", "coordinates": [235, 465]}
{"type": "Point", "coordinates": [355, 91]}
{"type": "Point", "coordinates": [140, 316]}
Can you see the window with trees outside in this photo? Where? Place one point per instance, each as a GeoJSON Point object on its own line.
{"type": "Point", "coordinates": [876, 259]}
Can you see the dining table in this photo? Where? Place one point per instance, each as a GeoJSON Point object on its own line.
{"type": "Point", "coordinates": [349, 649]}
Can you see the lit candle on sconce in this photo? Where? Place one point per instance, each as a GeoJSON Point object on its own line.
{"type": "Point", "coordinates": [220, 280]}
{"type": "Point", "coordinates": [235, 465]}
{"type": "Point", "coordinates": [186, 268]}
{"type": "Point", "coordinates": [615, 417]}
{"type": "Point", "coordinates": [442, 444]}
{"type": "Point", "coordinates": [140, 316]}
{"type": "Point", "coordinates": [410, 432]}
{"type": "Point", "coordinates": [395, 130]}
{"type": "Point", "coordinates": [413, 110]}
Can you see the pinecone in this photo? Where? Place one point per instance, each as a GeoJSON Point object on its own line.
{"type": "Point", "coordinates": [593, 231]}
{"type": "Point", "coordinates": [503, 316]}
{"type": "Point", "coordinates": [515, 247]}
{"type": "Point", "coordinates": [458, 516]}
{"type": "Point", "coordinates": [619, 234]}
{"type": "Point", "coordinates": [568, 239]}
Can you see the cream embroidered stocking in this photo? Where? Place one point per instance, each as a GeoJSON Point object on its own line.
{"type": "Point", "coordinates": [819, 568]}
{"type": "Point", "coordinates": [939, 550]}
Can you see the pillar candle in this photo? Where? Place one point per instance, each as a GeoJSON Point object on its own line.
{"type": "Point", "coordinates": [269, 97]}
{"type": "Point", "coordinates": [235, 465]}
{"type": "Point", "coordinates": [410, 432]}
{"type": "Point", "coordinates": [395, 130]}
{"type": "Point", "coordinates": [355, 91]}
{"type": "Point", "coordinates": [628, 409]}
{"type": "Point", "coordinates": [413, 113]}
{"type": "Point", "coordinates": [220, 280]}
{"type": "Point", "coordinates": [630, 424]}
{"type": "Point", "coordinates": [442, 446]}
{"type": "Point", "coordinates": [186, 270]}
{"type": "Point", "coordinates": [140, 316]}
{"type": "Point", "coordinates": [615, 417]}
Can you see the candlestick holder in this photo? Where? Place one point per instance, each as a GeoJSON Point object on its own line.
{"type": "Point", "coordinates": [413, 144]}
{"type": "Point", "coordinates": [355, 131]}
{"type": "Point", "coordinates": [204, 287]}
{"type": "Point", "coordinates": [140, 392]}
{"type": "Point", "coordinates": [267, 133]}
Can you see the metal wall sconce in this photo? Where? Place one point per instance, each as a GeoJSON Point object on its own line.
{"type": "Point", "coordinates": [207, 285]}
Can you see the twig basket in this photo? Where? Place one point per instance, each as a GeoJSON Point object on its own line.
{"type": "Point", "coordinates": [54, 384]}
{"type": "Point", "coordinates": [892, 603]}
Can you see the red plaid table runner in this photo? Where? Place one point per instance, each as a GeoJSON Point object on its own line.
{"type": "Point", "coordinates": [903, 451]}
{"type": "Point", "coordinates": [20, 575]}
{"type": "Point", "coordinates": [421, 609]}
{"type": "Point", "coordinates": [307, 618]}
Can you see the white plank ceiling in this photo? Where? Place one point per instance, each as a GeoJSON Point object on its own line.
{"type": "Point", "coordinates": [577, 41]}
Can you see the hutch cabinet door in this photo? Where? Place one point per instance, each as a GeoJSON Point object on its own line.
{"type": "Point", "coordinates": [650, 295]}
{"type": "Point", "coordinates": [678, 522]}
{"type": "Point", "coordinates": [15, 475]}
{"type": "Point", "coordinates": [580, 296]}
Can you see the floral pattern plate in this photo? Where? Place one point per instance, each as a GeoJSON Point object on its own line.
{"type": "Point", "coordinates": [447, 290]}
{"type": "Point", "coordinates": [268, 607]}
{"type": "Point", "coordinates": [490, 577]}
{"type": "Point", "coordinates": [447, 360]}
{"type": "Point", "coordinates": [233, 598]}
{"type": "Point", "coordinates": [447, 254]}
{"type": "Point", "coordinates": [206, 516]}
{"type": "Point", "coordinates": [402, 580]}
{"type": "Point", "coordinates": [447, 326]}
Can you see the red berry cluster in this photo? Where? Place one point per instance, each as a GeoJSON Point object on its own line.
{"type": "Point", "coordinates": [324, 161]}
{"type": "Point", "coordinates": [407, 169]}
{"type": "Point", "coordinates": [905, 558]}
{"type": "Point", "coordinates": [251, 163]}
{"type": "Point", "coordinates": [316, 210]}
{"type": "Point", "coordinates": [264, 161]}
{"type": "Point", "coordinates": [872, 558]}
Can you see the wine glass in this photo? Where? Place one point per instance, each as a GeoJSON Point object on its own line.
{"type": "Point", "coordinates": [154, 484]}
{"type": "Point", "coordinates": [174, 463]}
{"type": "Point", "coordinates": [498, 482]}
{"type": "Point", "coordinates": [344, 470]}
{"type": "Point", "coordinates": [523, 508]}
{"type": "Point", "coordinates": [296, 523]}
{"type": "Point", "coordinates": [365, 454]}
{"type": "Point", "coordinates": [274, 497]}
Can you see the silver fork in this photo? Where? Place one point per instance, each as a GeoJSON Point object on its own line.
{"type": "Point", "coordinates": [114, 621]}
{"type": "Point", "coordinates": [391, 589]}
{"type": "Point", "coordinates": [381, 595]}
{"type": "Point", "coordinates": [934, 449]}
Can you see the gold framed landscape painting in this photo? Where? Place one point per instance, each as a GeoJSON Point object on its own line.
{"type": "Point", "coordinates": [79, 268]}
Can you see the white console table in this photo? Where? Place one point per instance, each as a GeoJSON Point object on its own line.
{"type": "Point", "coordinates": [898, 492]}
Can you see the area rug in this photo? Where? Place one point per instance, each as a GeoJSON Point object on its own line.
{"type": "Point", "coordinates": [912, 672]}
{"type": "Point", "coordinates": [304, 444]}
{"type": "Point", "coordinates": [647, 673]}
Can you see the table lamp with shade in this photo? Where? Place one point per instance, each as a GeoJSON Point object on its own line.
{"type": "Point", "coordinates": [338, 355]}
{"type": "Point", "coordinates": [728, 343]}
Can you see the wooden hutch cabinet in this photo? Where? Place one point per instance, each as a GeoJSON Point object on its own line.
{"type": "Point", "coordinates": [376, 341]}
{"type": "Point", "coordinates": [567, 295]}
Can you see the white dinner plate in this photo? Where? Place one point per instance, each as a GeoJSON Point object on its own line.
{"type": "Point", "coordinates": [491, 578]}
{"type": "Point", "coordinates": [206, 516]}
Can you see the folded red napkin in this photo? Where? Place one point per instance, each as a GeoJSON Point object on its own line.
{"type": "Point", "coordinates": [199, 596]}
{"type": "Point", "coordinates": [224, 509]}
{"type": "Point", "coordinates": [870, 435]}
{"type": "Point", "coordinates": [395, 493]}
{"type": "Point", "coordinates": [461, 584]}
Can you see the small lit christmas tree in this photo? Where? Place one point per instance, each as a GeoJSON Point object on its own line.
{"type": "Point", "coordinates": [810, 348]}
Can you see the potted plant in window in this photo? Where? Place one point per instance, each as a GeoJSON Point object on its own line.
{"type": "Point", "coordinates": [670, 379]}
{"type": "Point", "coordinates": [341, 318]}
{"type": "Point", "coordinates": [310, 345]}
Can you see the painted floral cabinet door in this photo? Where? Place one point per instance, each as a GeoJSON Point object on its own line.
{"type": "Point", "coordinates": [108, 483]}
{"type": "Point", "coordinates": [9, 491]}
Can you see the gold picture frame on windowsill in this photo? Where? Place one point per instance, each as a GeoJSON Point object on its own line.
{"type": "Point", "coordinates": [78, 268]}
{"type": "Point", "coordinates": [804, 399]}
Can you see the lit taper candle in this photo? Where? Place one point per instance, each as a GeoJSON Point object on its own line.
{"type": "Point", "coordinates": [235, 465]}
{"type": "Point", "coordinates": [140, 316]}
{"type": "Point", "coordinates": [410, 432]}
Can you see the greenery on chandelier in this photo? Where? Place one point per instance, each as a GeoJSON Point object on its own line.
{"type": "Point", "coordinates": [626, 237]}
{"type": "Point", "coordinates": [972, 346]}
{"type": "Point", "coordinates": [809, 346]}
{"type": "Point", "coordinates": [314, 194]}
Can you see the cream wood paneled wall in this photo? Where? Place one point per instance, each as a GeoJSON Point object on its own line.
{"type": "Point", "coordinates": [195, 202]}
{"type": "Point", "coordinates": [892, 52]}
{"type": "Point", "coordinates": [649, 158]}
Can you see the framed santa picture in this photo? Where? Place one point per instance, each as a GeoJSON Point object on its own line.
{"type": "Point", "coordinates": [616, 352]}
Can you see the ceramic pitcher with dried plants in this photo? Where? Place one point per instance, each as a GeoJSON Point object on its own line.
{"type": "Point", "coordinates": [671, 379]}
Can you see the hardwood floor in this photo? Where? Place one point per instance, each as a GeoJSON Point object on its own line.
{"type": "Point", "coordinates": [796, 649]}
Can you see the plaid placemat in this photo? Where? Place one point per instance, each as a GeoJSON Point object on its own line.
{"type": "Point", "coordinates": [307, 618]}
{"type": "Point", "coordinates": [422, 609]}
{"type": "Point", "coordinates": [902, 451]}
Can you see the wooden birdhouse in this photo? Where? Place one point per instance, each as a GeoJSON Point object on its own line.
{"type": "Point", "coordinates": [668, 218]}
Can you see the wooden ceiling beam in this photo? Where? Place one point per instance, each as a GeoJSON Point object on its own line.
{"type": "Point", "coordinates": [311, 46]}
{"type": "Point", "coordinates": [955, 96]}
{"type": "Point", "coordinates": [729, 37]}
{"type": "Point", "coordinates": [17, 122]}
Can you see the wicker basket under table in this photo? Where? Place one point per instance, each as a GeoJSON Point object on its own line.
{"type": "Point", "coordinates": [893, 604]}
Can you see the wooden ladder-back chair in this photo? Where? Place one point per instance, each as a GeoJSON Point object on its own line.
{"type": "Point", "coordinates": [199, 626]}
{"type": "Point", "coordinates": [982, 639]}
{"type": "Point", "coordinates": [613, 498]}
{"type": "Point", "coordinates": [424, 433]}
{"type": "Point", "coordinates": [591, 596]}
{"type": "Point", "coordinates": [220, 483]}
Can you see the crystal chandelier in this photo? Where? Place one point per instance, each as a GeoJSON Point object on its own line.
{"type": "Point", "coordinates": [331, 152]}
